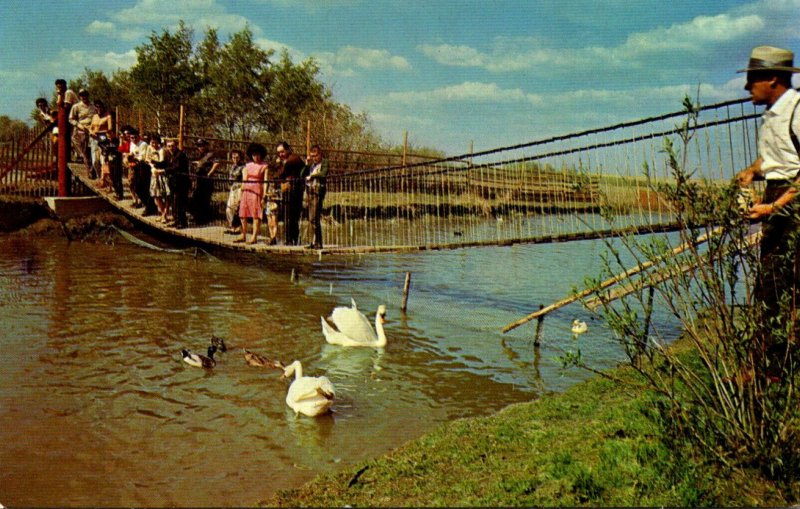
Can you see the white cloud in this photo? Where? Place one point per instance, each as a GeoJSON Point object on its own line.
{"type": "Point", "coordinates": [314, 6]}
{"type": "Point", "coordinates": [694, 35]}
{"type": "Point", "coordinates": [459, 56]}
{"type": "Point", "coordinates": [349, 60]}
{"type": "Point", "coordinates": [268, 44]}
{"type": "Point", "coordinates": [71, 63]}
{"type": "Point", "coordinates": [198, 14]}
{"type": "Point", "coordinates": [109, 29]}
{"type": "Point", "coordinates": [100, 27]}
{"type": "Point", "coordinates": [464, 93]}
{"type": "Point", "coordinates": [521, 54]}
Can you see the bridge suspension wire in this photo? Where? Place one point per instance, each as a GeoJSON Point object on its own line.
{"type": "Point", "coordinates": [557, 187]}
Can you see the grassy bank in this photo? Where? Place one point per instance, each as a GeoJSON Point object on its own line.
{"type": "Point", "coordinates": [590, 446]}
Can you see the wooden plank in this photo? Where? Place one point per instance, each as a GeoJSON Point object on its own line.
{"type": "Point", "coordinates": [610, 281]}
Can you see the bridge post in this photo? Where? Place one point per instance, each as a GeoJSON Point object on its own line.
{"type": "Point", "coordinates": [63, 154]}
{"type": "Point", "coordinates": [180, 129]}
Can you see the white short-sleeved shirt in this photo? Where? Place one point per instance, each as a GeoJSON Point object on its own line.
{"type": "Point", "coordinates": [779, 158]}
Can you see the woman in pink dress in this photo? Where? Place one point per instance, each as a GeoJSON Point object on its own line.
{"type": "Point", "coordinates": [253, 190]}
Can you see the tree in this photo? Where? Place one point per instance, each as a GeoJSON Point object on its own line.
{"type": "Point", "coordinates": [164, 75]}
{"type": "Point", "coordinates": [11, 128]}
{"type": "Point", "coordinates": [295, 92]}
{"type": "Point", "coordinates": [237, 80]}
{"type": "Point", "coordinates": [711, 398]}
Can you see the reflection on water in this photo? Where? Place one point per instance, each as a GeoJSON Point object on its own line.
{"type": "Point", "coordinates": [96, 407]}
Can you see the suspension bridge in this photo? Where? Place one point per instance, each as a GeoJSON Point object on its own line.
{"type": "Point", "coordinates": [587, 184]}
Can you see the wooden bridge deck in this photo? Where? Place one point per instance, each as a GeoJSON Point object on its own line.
{"type": "Point", "coordinates": [214, 236]}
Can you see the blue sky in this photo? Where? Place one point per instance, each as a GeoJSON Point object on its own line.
{"type": "Point", "coordinates": [449, 72]}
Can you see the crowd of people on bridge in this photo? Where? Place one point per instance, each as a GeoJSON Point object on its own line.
{"type": "Point", "coordinates": [163, 180]}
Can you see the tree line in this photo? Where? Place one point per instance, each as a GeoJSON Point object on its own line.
{"type": "Point", "coordinates": [232, 90]}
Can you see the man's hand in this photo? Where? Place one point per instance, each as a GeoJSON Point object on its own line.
{"type": "Point", "coordinates": [761, 211]}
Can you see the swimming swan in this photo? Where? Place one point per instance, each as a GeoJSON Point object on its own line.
{"type": "Point", "coordinates": [354, 328]}
{"type": "Point", "coordinates": [308, 395]}
{"type": "Point", "coordinates": [579, 327]}
{"type": "Point", "coordinates": [200, 361]}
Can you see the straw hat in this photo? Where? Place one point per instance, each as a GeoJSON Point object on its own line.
{"type": "Point", "coordinates": [769, 58]}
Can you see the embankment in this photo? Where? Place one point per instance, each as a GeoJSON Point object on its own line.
{"type": "Point", "coordinates": [32, 216]}
{"type": "Point", "coordinates": [593, 445]}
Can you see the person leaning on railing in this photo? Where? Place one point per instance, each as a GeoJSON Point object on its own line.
{"type": "Point", "coordinates": [80, 116]}
{"type": "Point", "coordinates": [235, 193]}
{"type": "Point", "coordinates": [292, 189]}
{"type": "Point", "coordinates": [315, 190]}
{"type": "Point", "coordinates": [176, 168]}
{"type": "Point", "coordinates": [205, 167]}
{"type": "Point", "coordinates": [769, 81]}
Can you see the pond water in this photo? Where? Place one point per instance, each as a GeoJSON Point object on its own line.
{"type": "Point", "coordinates": [96, 407]}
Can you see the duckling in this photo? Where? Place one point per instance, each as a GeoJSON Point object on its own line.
{"type": "Point", "coordinates": [258, 361]}
{"type": "Point", "coordinates": [219, 343]}
{"type": "Point", "coordinates": [200, 361]}
{"type": "Point", "coordinates": [578, 327]}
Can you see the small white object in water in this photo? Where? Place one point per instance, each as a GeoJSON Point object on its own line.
{"type": "Point", "coordinates": [579, 327]}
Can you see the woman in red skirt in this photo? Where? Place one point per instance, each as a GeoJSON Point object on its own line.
{"type": "Point", "coordinates": [253, 191]}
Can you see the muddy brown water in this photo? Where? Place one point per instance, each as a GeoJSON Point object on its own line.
{"type": "Point", "coordinates": [96, 407]}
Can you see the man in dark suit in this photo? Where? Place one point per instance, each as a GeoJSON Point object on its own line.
{"type": "Point", "coordinates": [292, 172]}
{"type": "Point", "coordinates": [315, 190]}
{"type": "Point", "coordinates": [176, 166]}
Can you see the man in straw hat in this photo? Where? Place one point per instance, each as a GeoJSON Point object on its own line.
{"type": "Point", "coordinates": [769, 81]}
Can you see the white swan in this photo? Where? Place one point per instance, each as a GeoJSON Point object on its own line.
{"type": "Point", "coordinates": [579, 327]}
{"type": "Point", "coordinates": [354, 327]}
{"type": "Point", "coordinates": [308, 395]}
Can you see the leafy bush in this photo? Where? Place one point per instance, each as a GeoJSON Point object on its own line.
{"type": "Point", "coordinates": [714, 396]}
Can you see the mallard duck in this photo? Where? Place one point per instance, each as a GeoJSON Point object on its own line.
{"type": "Point", "coordinates": [259, 361]}
{"type": "Point", "coordinates": [354, 327]}
{"type": "Point", "coordinates": [307, 395]}
{"type": "Point", "coordinates": [219, 343]}
{"type": "Point", "coordinates": [200, 361]}
{"type": "Point", "coordinates": [579, 327]}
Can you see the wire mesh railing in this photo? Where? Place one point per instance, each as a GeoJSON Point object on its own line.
{"type": "Point", "coordinates": [553, 188]}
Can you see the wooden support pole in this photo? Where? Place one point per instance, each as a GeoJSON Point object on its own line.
{"type": "Point", "coordinates": [656, 278]}
{"type": "Point", "coordinates": [537, 340]}
{"type": "Point", "coordinates": [610, 281]}
{"type": "Point", "coordinates": [308, 137]}
{"type": "Point", "coordinates": [406, 287]}
{"type": "Point", "coordinates": [63, 154]}
{"type": "Point", "coordinates": [180, 129]}
{"type": "Point", "coordinates": [471, 146]}
{"type": "Point", "coordinates": [405, 145]}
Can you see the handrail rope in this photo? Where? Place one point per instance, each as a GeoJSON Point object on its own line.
{"type": "Point", "coordinates": [560, 137]}
{"type": "Point", "coordinates": [327, 150]}
{"type": "Point", "coordinates": [547, 154]}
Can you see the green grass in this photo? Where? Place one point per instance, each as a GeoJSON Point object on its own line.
{"type": "Point", "coordinates": [590, 446]}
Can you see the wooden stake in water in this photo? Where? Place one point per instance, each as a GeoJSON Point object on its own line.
{"type": "Point", "coordinates": [293, 276]}
{"type": "Point", "coordinates": [406, 287]}
{"type": "Point", "coordinates": [537, 340]}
